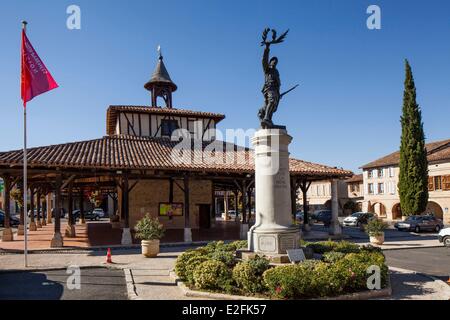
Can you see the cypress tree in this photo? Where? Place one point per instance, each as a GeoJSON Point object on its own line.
{"type": "Point", "coordinates": [413, 178]}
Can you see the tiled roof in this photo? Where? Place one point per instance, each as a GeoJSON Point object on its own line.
{"type": "Point", "coordinates": [437, 151]}
{"type": "Point", "coordinates": [111, 115]}
{"type": "Point", "coordinates": [129, 152]}
{"type": "Point", "coordinates": [355, 178]}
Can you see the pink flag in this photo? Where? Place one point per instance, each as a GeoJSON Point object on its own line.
{"type": "Point", "coordinates": [36, 79]}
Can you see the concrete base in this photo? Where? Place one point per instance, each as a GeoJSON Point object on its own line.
{"type": "Point", "coordinates": [57, 241]}
{"type": "Point", "coordinates": [49, 220]}
{"type": "Point", "coordinates": [7, 235]}
{"type": "Point", "coordinates": [70, 231]}
{"type": "Point", "coordinates": [276, 259]}
{"type": "Point", "coordinates": [243, 231]}
{"type": "Point", "coordinates": [33, 226]}
{"type": "Point", "coordinates": [44, 223]}
{"type": "Point", "coordinates": [20, 230]}
{"type": "Point", "coordinates": [274, 242]}
{"type": "Point", "coordinates": [126, 237]}
{"type": "Point", "coordinates": [39, 224]}
{"type": "Point", "coordinates": [187, 235]}
{"type": "Point", "coordinates": [83, 221]}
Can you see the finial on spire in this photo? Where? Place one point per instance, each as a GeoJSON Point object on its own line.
{"type": "Point", "coordinates": [160, 52]}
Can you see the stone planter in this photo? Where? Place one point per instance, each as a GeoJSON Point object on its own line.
{"type": "Point", "coordinates": [378, 240]}
{"type": "Point", "coordinates": [150, 248]}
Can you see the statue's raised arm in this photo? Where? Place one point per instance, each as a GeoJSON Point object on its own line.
{"type": "Point", "coordinates": [272, 83]}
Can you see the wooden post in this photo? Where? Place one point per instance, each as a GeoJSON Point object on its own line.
{"type": "Point", "coordinates": [57, 241]}
{"type": "Point", "coordinates": [81, 206]}
{"type": "Point", "coordinates": [294, 197]}
{"type": "Point", "coordinates": [304, 186]}
{"type": "Point", "coordinates": [213, 205]}
{"type": "Point", "coordinates": [38, 208]}
{"type": "Point", "coordinates": [244, 202]}
{"type": "Point", "coordinates": [49, 208]}
{"type": "Point", "coordinates": [126, 233]}
{"type": "Point", "coordinates": [187, 203]}
{"type": "Point", "coordinates": [44, 208]}
{"type": "Point", "coordinates": [7, 232]}
{"type": "Point", "coordinates": [70, 230]}
{"type": "Point", "coordinates": [21, 229]}
{"type": "Point", "coordinates": [33, 226]}
{"type": "Point", "coordinates": [250, 207]}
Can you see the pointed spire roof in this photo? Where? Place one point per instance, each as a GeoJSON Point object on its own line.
{"type": "Point", "coordinates": [161, 76]}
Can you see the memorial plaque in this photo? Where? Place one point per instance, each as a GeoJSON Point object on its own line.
{"type": "Point", "coordinates": [287, 243]}
{"type": "Point", "coordinates": [296, 255]}
{"type": "Point", "coordinates": [267, 243]}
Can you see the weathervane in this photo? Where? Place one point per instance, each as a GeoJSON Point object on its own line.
{"type": "Point", "coordinates": [271, 89]}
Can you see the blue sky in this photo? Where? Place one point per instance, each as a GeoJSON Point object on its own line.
{"type": "Point", "coordinates": [345, 113]}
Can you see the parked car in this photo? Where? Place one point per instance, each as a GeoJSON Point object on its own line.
{"type": "Point", "coordinates": [100, 212]}
{"type": "Point", "coordinates": [358, 218]}
{"type": "Point", "coordinates": [13, 221]}
{"type": "Point", "coordinates": [300, 216]}
{"type": "Point", "coordinates": [63, 213]}
{"type": "Point", "coordinates": [324, 216]}
{"type": "Point", "coordinates": [92, 215]}
{"type": "Point", "coordinates": [420, 223]}
{"type": "Point", "coordinates": [444, 237]}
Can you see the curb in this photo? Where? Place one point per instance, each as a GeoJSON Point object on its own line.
{"type": "Point", "coordinates": [131, 288]}
{"type": "Point", "coordinates": [445, 287]}
{"type": "Point", "coordinates": [51, 269]}
{"type": "Point", "coordinates": [365, 295]}
{"type": "Point", "coordinates": [78, 250]}
{"type": "Point", "coordinates": [415, 247]}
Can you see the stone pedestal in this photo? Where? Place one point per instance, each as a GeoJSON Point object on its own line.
{"type": "Point", "coordinates": [57, 241]}
{"type": "Point", "coordinates": [7, 235]}
{"type": "Point", "coordinates": [33, 226]}
{"type": "Point", "coordinates": [273, 232]}
{"type": "Point", "coordinates": [21, 230]}
{"type": "Point", "coordinates": [126, 237]}
{"type": "Point", "coordinates": [70, 231]}
{"type": "Point", "coordinates": [39, 224]}
{"type": "Point", "coordinates": [187, 235]}
{"type": "Point", "coordinates": [43, 222]}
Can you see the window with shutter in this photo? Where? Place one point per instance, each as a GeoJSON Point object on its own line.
{"type": "Point", "coordinates": [446, 183]}
{"type": "Point", "coordinates": [430, 184]}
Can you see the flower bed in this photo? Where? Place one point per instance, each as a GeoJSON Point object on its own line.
{"type": "Point", "coordinates": [342, 270]}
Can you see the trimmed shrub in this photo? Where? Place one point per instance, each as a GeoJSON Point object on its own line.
{"type": "Point", "coordinates": [322, 246]}
{"type": "Point", "coordinates": [332, 257]}
{"type": "Point", "coordinates": [236, 245]}
{"type": "Point", "coordinates": [212, 275]}
{"type": "Point", "coordinates": [248, 274]}
{"type": "Point", "coordinates": [182, 260]}
{"type": "Point", "coordinates": [226, 257]}
{"type": "Point", "coordinates": [191, 266]}
{"type": "Point", "coordinates": [347, 247]}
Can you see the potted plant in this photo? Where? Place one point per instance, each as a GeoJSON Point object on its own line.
{"type": "Point", "coordinates": [150, 231]}
{"type": "Point", "coordinates": [375, 229]}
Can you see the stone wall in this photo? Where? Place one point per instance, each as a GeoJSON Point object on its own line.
{"type": "Point", "coordinates": [148, 194]}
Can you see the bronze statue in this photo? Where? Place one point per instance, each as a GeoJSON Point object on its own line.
{"type": "Point", "coordinates": [271, 89]}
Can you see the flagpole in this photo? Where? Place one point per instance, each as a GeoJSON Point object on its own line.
{"type": "Point", "coordinates": [25, 167]}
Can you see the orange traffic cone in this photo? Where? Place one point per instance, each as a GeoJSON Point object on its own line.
{"type": "Point", "coordinates": [108, 256]}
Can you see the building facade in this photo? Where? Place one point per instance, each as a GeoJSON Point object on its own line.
{"type": "Point", "coordinates": [381, 179]}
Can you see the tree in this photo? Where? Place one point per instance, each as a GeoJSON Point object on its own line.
{"type": "Point", "coordinates": [413, 179]}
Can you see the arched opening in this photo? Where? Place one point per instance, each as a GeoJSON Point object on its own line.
{"type": "Point", "coordinates": [378, 208]}
{"type": "Point", "coordinates": [397, 212]}
{"type": "Point", "coordinates": [435, 209]}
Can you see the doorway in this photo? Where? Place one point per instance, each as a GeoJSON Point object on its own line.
{"type": "Point", "coordinates": [204, 216]}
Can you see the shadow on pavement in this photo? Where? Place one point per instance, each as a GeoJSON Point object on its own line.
{"type": "Point", "coordinates": [29, 286]}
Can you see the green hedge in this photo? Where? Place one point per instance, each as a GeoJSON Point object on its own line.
{"type": "Point", "coordinates": [323, 279]}
{"type": "Point", "coordinates": [212, 275]}
{"type": "Point", "coordinates": [322, 247]}
{"type": "Point", "coordinates": [248, 275]}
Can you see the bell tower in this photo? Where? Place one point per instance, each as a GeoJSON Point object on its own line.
{"type": "Point", "coordinates": [160, 85]}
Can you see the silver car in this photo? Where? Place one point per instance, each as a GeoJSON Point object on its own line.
{"type": "Point", "coordinates": [420, 223]}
